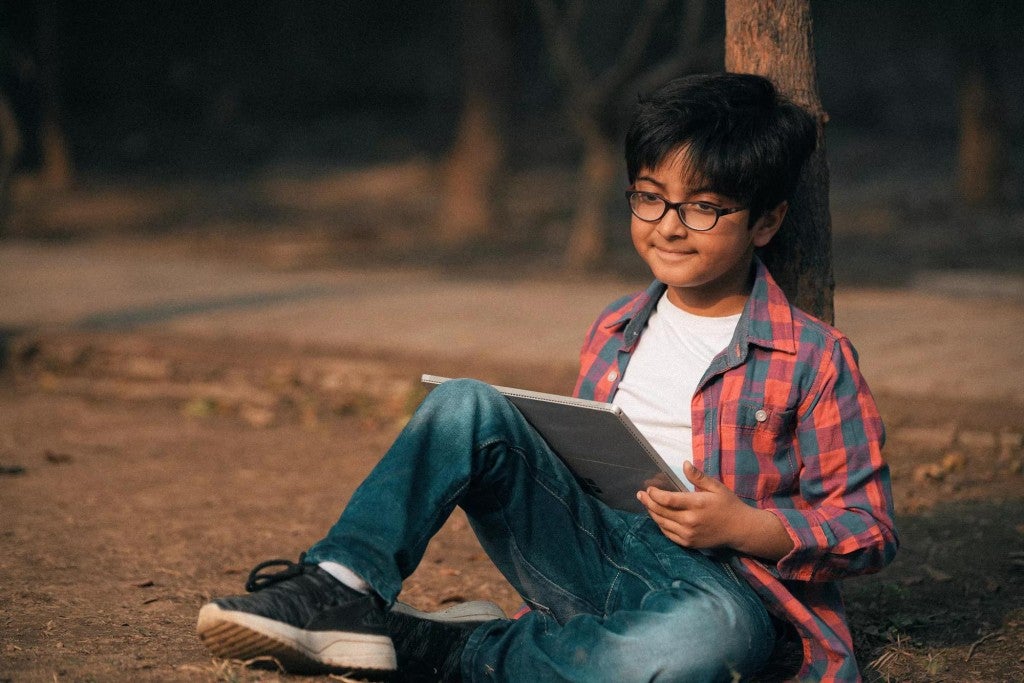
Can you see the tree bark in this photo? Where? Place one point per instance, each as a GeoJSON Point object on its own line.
{"type": "Point", "coordinates": [598, 172]}
{"type": "Point", "coordinates": [471, 172]}
{"type": "Point", "coordinates": [10, 149]}
{"type": "Point", "coordinates": [56, 159]}
{"type": "Point", "coordinates": [981, 161]}
{"type": "Point", "coordinates": [773, 38]}
{"type": "Point", "coordinates": [473, 168]}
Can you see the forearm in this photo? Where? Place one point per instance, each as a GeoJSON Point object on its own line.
{"type": "Point", "coordinates": [760, 533]}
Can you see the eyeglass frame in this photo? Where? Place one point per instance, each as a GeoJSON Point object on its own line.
{"type": "Point", "coordinates": [667, 205]}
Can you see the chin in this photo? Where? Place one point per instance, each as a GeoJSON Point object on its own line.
{"type": "Point", "coordinates": [675, 277]}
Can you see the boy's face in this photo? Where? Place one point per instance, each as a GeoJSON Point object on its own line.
{"type": "Point", "coordinates": [707, 273]}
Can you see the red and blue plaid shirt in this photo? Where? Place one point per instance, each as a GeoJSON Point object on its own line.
{"type": "Point", "coordinates": [784, 418]}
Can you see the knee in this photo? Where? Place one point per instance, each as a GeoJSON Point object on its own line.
{"type": "Point", "coordinates": [458, 391]}
{"type": "Point", "coordinates": [723, 641]}
{"type": "Point", "coordinates": [461, 392]}
{"type": "Point", "coordinates": [467, 398]}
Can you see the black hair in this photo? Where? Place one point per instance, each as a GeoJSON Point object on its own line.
{"type": "Point", "coordinates": [741, 137]}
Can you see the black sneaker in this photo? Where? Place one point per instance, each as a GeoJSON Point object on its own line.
{"type": "Point", "coordinates": [303, 618]}
{"type": "Point", "coordinates": [430, 644]}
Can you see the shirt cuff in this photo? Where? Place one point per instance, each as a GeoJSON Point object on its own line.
{"type": "Point", "coordinates": [811, 539]}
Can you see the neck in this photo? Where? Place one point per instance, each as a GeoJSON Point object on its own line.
{"type": "Point", "coordinates": [711, 308]}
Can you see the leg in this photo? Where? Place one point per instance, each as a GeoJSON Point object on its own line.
{"type": "Point", "coordinates": [603, 584]}
{"type": "Point", "coordinates": [467, 445]}
{"type": "Point", "coordinates": [606, 586]}
{"type": "Point", "coordinates": [705, 625]}
{"type": "Point", "coordinates": [312, 623]}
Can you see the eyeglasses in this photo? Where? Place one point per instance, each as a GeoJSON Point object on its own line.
{"type": "Point", "coordinates": [700, 216]}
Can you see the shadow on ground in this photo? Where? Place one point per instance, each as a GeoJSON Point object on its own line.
{"type": "Point", "coordinates": [954, 592]}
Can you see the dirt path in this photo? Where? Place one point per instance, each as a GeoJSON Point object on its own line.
{"type": "Point", "coordinates": [128, 500]}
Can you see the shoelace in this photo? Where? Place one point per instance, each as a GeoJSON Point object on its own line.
{"type": "Point", "coordinates": [258, 581]}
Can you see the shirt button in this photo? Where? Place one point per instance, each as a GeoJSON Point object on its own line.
{"type": "Point", "coordinates": [612, 376]}
{"type": "Point", "coordinates": [761, 416]}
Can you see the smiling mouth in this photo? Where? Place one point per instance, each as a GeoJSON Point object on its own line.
{"type": "Point", "coordinates": [670, 254]}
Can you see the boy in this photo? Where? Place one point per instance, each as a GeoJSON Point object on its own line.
{"type": "Point", "coordinates": [781, 442]}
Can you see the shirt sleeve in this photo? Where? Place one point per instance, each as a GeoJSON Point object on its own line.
{"type": "Point", "coordinates": [846, 526]}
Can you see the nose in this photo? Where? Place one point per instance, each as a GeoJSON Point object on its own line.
{"type": "Point", "coordinates": [671, 225]}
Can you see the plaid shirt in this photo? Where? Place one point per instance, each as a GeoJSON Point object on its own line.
{"type": "Point", "coordinates": [784, 418]}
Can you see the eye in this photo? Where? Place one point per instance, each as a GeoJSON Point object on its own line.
{"type": "Point", "coordinates": [648, 197]}
{"type": "Point", "coordinates": [705, 208]}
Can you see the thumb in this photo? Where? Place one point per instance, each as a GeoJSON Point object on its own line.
{"type": "Point", "coordinates": [700, 481]}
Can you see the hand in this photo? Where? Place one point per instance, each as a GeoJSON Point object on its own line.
{"type": "Point", "coordinates": [711, 516]}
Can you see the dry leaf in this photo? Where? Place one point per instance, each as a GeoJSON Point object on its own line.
{"type": "Point", "coordinates": [58, 458]}
{"type": "Point", "coordinates": [937, 574]}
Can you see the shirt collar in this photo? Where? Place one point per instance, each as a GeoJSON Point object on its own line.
{"type": "Point", "coordinates": [766, 321]}
{"type": "Point", "coordinates": [634, 316]}
{"type": "Point", "coordinates": [767, 318]}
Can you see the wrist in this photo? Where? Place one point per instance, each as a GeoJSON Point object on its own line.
{"type": "Point", "coordinates": [743, 525]}
{"type": "Point", "coordinates": [761, 534]}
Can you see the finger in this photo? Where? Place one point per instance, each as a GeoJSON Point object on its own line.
{"type": "Point", "coordinates": [678, 521]}
{"type": "Point", "coordinates": [661, 515]}
{"type": "Point", "coordinates": [675, 500]}
{"type": "Point", "coordinates": [674, 532]}
{"type": "Point", "coordinates": [667, 525]}
{"type": "Point", "coordinates": [700, 480]}
{"type": "Point", "coordinates": [652, 505]}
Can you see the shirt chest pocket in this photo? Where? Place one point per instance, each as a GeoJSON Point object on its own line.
{"type": "Point", "coordinates": [756, 442]}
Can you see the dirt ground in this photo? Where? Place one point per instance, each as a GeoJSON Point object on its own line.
{"type": "Point", "coordinates": [141, 477]}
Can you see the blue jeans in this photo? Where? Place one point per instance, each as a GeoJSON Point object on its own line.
{"type": "Point", "coordinates": [612, 598]}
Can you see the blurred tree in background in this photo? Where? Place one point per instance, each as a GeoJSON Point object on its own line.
{"type": "Point", "coordinates": [10, 135]}
{"type": "Point", "coordinates": [56, 160]}
{"type": "Point", "coordinates": [983, 27]}
{"type": "Point", "coordinates": [503, 120]}
{"type": "Point", "coordinates": [473, 169]}
{"type": "Point", "coordinates": [600, 70]}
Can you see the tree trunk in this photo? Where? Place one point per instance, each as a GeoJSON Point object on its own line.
{"type": "Point", "coordinates": [772, 38]}
{"type": "Point", "coordinates": [473, 168]}
{"type": "Point", "coordinates": [599, 170]}
{"type": "Point", "coordinates": [980, 150]}
{"type": "Point", "coordinates": [471, 174]}
{"type": "Point", "coordinates": [10, 149]}
{"type": "Point", "coordinates": [53, 144]}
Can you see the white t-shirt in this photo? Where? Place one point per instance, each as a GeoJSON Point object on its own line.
{"type": "Point", "coordinates": [672, 356]}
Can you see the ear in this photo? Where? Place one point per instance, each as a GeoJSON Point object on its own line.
{"type": "Point", "coordinates": [768, 224]}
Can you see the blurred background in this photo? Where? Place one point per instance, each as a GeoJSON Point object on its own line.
{"type": "Point", "coordinates": [464, 135]}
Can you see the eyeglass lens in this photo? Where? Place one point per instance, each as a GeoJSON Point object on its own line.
{"type": "Point", "coordinates": [651, 207]}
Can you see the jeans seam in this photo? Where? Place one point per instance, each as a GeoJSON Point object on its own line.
{"type": "Point", "coordinates": [730, 571]}
{"type": "Point", "coordinates": [666, 569]}
{"type": "Point", "coordinates": [611, 591]}
{"type": "Point", "coordinates": [538, 574]}
{"type": "Point", "coordinates": [521, 454]}
{"type": "Point", "coordinates": [586, 531]}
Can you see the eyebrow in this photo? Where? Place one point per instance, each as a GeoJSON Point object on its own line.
{"type": "Point", "coordinates": [695, 190]}
{"type": "Point", "coordinates": [650, 180]}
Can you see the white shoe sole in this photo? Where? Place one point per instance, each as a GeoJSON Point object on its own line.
{"type": "Point", "coordinates": [231, 634]}
{"type": "Point", "coordinates": [475, 610]}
